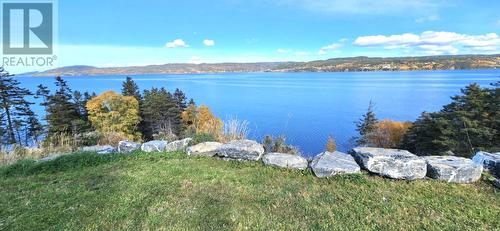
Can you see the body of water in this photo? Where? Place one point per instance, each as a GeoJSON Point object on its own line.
{"type": "Point", "coordinates": [305, 107]}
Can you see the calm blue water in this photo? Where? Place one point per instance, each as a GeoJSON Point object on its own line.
{"type": "Point", "coordinates": [305, 107]}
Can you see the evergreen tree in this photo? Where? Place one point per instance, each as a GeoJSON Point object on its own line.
{"type": "Point", "coordinates": [12, 100]}
{"type": "Point", "coordinates": [62, 113]}
{"type": "Point", "coordinates": [130, 88]}
{"type": "Point", "coordinates": [33, 127]}
{"type": "Point", "coordinates": [161, 113]}
{"type": "Point", "coordinates": [468, 124]}
{"type": "Point", "coordinates": [180, 99]}
{"type": "Point", "coordinates": [366, 125]}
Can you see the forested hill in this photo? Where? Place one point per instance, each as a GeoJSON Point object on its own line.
{"type": "Point", "coordinates": [331, 65]}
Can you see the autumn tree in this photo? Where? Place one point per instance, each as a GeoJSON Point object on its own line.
{"type": "Point", "coordinates": [111, 112]}
{"type": "Point", "coordinates": [388, 133]}
{"type": "Point", "coordinates": [330, 144]}
{"type": "Point", "coordinates": [200, 120]}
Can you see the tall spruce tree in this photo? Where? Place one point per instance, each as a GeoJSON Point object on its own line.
{"type": "Point", "coordinates": [180, 99]}
{"type": "Point", "coordinates": [33, 127]}
{"type": "Point", "coordinates": [366, 125]}
{"type": "Point", "coordinates": [161, 113]}
{"type": "Point", "coordinates": [12, 101]}
{"type": "Point", "coordinates": [62, 113]}
{"type": "Point", "coordinates": [130, 88]}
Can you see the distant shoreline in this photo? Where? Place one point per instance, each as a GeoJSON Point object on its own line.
{"type": "Point", "coordinates": [355, 64]}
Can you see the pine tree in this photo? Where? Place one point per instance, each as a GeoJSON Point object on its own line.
{"type": "Point", "coordinates": [12, 100]}
{"type": "Point", "coordinates": [161, 114]}
{"type": "Point", "coordinates": [130, 88]}
{"type": "Point", "coordinates": [34, 128]}
{"type": "Point", "coordinates": [62, 113]}
{"type": "Point", "coordinates": [366, 125]}
{"type": "Point", "coordinates": [468, 124]}
{"type": "Point", "coordinates": [180, 99]}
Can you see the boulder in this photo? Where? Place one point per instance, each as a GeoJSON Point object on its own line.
{"type": "Point", "coordinates": [204, 149]}
{"type": "Point", "coordinates": [392, 163]}
{"type": "Point", "coordinates": [496, 183]}
{"type": "Point", "coordinates": [126, 146]}
{"type": "Point", "coordinates": [490, 161]}
{"type": "Point", "coordinates": [284, 160]}
{"type": "Point", "coordinates": [332, 163]}
{"type": "Point", "coordinates": [178, 145]}
{"type": "Point", "coordinates": [154, 146]}
{"type": "Point", "coordinates": [453, 169]}
{"type": "Point", "coordinates": [99, 149]}
{"type": "Point", "coordinates": [241, 150]}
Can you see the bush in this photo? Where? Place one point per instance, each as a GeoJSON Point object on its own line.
{"type": "Point", "coordinates": [278, 144]}
{"type": "Point", "coordinates": [388, 133]}
{"type": "Point", "coordinates": [202, 137]}
{"type": "Point", "coordinates": [330, 145]}
{"type": "Point", "coordinates": [234, 129]}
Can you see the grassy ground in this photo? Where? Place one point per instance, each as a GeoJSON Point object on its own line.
{"type": "Point", "coordinates": [171, 191]}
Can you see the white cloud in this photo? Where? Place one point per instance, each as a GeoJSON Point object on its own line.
{"type": "Point", "coordinates": [209, 42]}
{"type": "Point", "coordinates": [176, 43]}
{"type": "Point", "coordinates": [433, 42]}
{"type": "Point", "coordinates": [331, 47]}
{"type": "Point", "coordinates": [282, 51]}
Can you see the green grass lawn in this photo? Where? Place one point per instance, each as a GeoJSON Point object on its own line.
{"type": "Point", "coordinates": [170, 191]}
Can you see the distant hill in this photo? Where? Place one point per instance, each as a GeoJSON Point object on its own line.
{"type": "Point", "coordinates": [450, 62]}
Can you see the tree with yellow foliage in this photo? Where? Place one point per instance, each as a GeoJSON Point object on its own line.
{"type": "Point", "coordinates": [201, 121]}
{"type": "Point", "coordinates": [330, 144]}
{"type": "Point", "coordinates": [111, 112]}
{"type": "Point", "coordinates": [388, 133]}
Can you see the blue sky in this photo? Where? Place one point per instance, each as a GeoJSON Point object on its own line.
{"type": "Point", "coordinates": [125, 33]}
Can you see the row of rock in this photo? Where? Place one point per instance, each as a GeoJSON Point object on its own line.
{"type": "Point", "coordinates": [391, 163]}
{"type": "Point", "coordinates": [126, 146]}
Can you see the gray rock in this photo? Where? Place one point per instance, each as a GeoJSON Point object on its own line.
{"type": "Point", "coordinates": [204, 149]}
{"type": "Point", "coordinates": [154, 146]}
{"type": "Point", "coordinates": [178, 145]}
{"type": "Point", "coordinates": [50, 157]}
{"type": "Point", "coordinates": [99, 149]}
{"type": "Point", "coordinates": [283, 160]}
{"type": "Point", "coordinates": [453, 169]}
{"type": "Point", "coordinates": [490, 161]}
{"type": "Point", "coordinates": [496, 183]}
{"type": "Point", "coordinates": [332, 163]}
{"type": "Point", "coordinates": [126, 146]}
{"type": "Point", "coordinates": [392, 163]}
{"type": "Point", "coordinates": [241, 150]}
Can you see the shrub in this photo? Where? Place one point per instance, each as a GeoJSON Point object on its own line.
{"type": "Point", "coordinates": [278, 144]}
{"type": "Point", "coordinates": [201, 121]}
{"type": "Point", "coordinates": [202, 137]}
{"type": "Point", "coordinates": [388, 133]}
{"type": "Point", "coordinates": [234, 129]}
{"type": "Point", "coordinates": [330, 144]}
